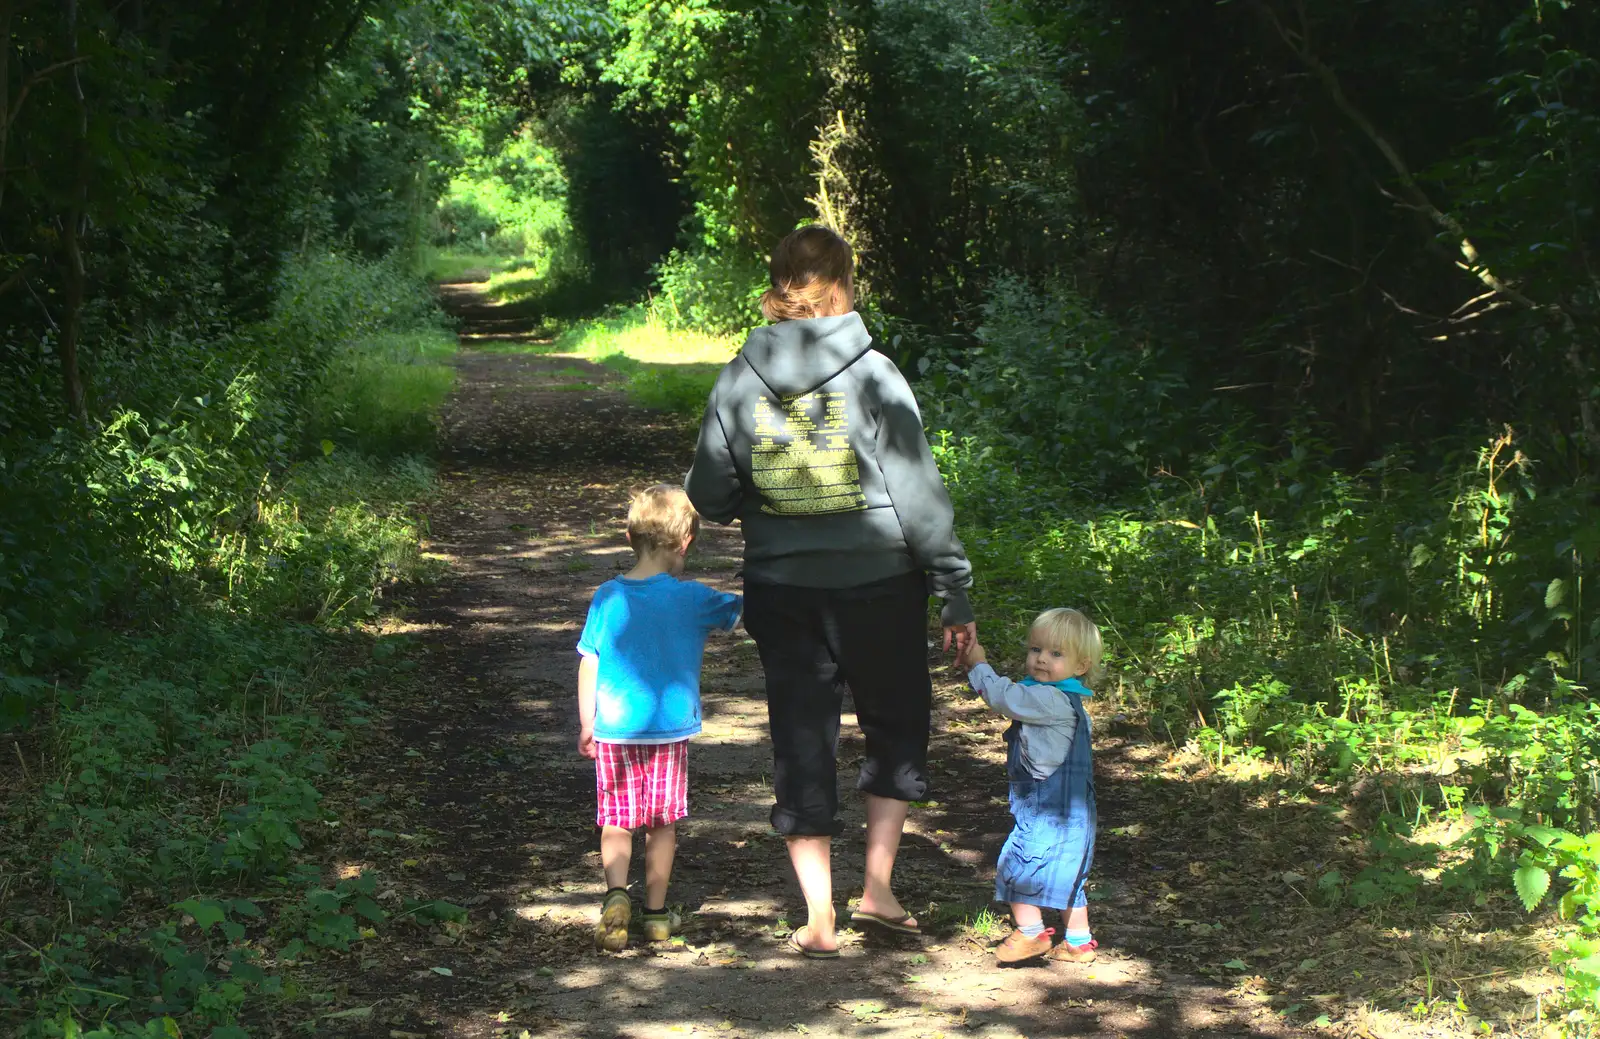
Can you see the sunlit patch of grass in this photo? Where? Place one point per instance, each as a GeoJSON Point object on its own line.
{"type": "Point", "coordinates": [630, 336]}
{"type": "Point", "coordinates": [447, 265]}
{"type": "Point", "coordinates": [950, 917]}
{"type": "Point", "coordinates": [324, 549]}
{"type": "Point", "coordinates": [516, 281]}
{"type": "Point", "coordinates": [667, 369]}
{"type": "Point", "coordinates": [987, 924]}
{"type": "Point", "coordinates": [382, 395]}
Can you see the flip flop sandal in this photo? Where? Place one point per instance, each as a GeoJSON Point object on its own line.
{"type": "Point", "coordinates": [809, 953]}
{"type": "Point", "coordinates": [897, 924]}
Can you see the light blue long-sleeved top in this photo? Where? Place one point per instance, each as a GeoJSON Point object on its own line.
{"type": "Point", "coordinates": [1046, 720]}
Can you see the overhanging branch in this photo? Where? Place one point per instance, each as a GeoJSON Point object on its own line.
{"type": "Point", "coordinates": [1415, 198]}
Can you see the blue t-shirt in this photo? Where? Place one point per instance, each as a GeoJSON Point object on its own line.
{"type": "Point", "coordinates": [650, 638]}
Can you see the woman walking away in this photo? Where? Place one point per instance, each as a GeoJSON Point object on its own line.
{"type": "Point", "coordinates": [813, 441]}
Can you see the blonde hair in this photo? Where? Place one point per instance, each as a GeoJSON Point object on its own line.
{"type": "Point", "coordinates": [659, 518]}
{"type": "Point", "coordinates": [1073, 634]}
{"type": "Point", "coordinates": [806, 267]}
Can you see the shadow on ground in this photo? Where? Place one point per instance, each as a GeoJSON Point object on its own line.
{"type": "Point", "coordinates": [475, 795]}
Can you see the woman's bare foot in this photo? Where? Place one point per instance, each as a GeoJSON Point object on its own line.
{"type": "Point", "coordinates": [887, 909]}
{"type": "Point", "coordinates": [805, 941]}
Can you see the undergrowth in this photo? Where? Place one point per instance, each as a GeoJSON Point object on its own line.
{"type": "Point", "coordinates": [184, 654]}
{"type": "Point", "coordinates": [1414, 636]}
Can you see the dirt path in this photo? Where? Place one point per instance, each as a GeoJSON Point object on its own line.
{"type": "Point", "coordinates": [476, 794]}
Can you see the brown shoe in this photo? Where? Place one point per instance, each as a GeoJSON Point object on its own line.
{"type": "Point", "coordinates": [1019, 947]}
{"type": "Point", "coordinates": [1065, 953]}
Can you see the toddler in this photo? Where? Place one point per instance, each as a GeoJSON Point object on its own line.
{"type": "Point", "coordinates": [1046, 860]}
{"type": "Point", "coordinates": [639, 702]}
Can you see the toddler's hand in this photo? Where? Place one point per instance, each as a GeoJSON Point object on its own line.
{"type": "Point", "coordinates": [586, 745]}
{"type": "Point", "coordinates": [972, 656]}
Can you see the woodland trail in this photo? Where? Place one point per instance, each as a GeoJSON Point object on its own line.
{"type": "Point", "coordinates": [475, 793]}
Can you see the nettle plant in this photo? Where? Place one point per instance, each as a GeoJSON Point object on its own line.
{"type": "Point", "coordinates": [1551, 854]}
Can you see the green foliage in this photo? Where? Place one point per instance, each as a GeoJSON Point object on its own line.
{"type": "Point", "coordinates": [175, 479]}
{"type": "Point", "coordinates": [1549, 853]}
{"type": "Point", "coordinates": [380, 396]}
{"type": "Point", "coordinates": [716, 292]}
{"type": "Point", "coordinates": [1045, 362]}
{"type": "Point", "coordinates": [1418, 637]}
{"type": "Point", "coordinates": [175, 636]}
{"type": "Point", "coordinates": [684, 393]}
{"type": "Point", "coordinates": [668, 369]}
{"type": "Point", "coordinates": [510, 199]}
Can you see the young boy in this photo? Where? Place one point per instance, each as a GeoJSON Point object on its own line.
{"type": "Point", "coordinates": [639, 702]}
{"type": "Point", "coordinates": [1046, 860]}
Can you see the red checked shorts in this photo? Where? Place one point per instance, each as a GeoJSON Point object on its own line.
{"type": "Point", "coordinates": [641, 784]}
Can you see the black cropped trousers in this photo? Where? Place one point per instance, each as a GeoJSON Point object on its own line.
{"type": "Point", "coordinates": [816, 642]}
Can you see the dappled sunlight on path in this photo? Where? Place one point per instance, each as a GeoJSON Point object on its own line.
{"type": "Point", "coordinates": [486, 804]}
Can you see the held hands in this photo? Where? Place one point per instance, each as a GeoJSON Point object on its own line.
{"type": "Point", "coordinates": [972, 656]}
{"type": "Point", "coordinates": [962, 634]}
{"type": "Point", "coordinates": [586, 745]}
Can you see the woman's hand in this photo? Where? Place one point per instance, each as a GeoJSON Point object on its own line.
{"type": "Point", "coordinates": [963, 636]}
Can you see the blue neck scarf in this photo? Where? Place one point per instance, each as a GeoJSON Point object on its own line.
{"type": "Point", "coordinates": [1066, 685]}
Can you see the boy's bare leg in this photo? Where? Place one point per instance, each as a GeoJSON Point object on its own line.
{"type": "Point", "coordinates": [616, 852]}
{"type": "Point", "coordinates": [812, 858]}
{"type": "Point", "coordinates": [886, 821]}
{"type": "Point", "coordinates": [660, 846]}
{"type": "Point", "coordinates": [1078, 919]}
{"type": "Point", "coordinates": [1027, 916]}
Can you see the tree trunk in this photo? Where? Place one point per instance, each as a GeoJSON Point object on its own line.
{"type": "Point", "coordinates": [6, 13]}
{"type": "Point", "coordinates": [71, 244]}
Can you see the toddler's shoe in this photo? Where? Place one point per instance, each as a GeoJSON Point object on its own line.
{"type": "Point", "coordinates": [615, 912]}
{"type": "Point", "coordinates": [658, 927]}
{"type": "Point", "coordinates": [1019, 947]}
{"type": "Point", "coordinates": [1065, 953]}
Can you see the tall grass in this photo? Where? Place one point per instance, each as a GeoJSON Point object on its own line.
{"type": "Point", "coordinates": [381, 394]}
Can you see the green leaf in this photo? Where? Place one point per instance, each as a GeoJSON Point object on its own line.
{"type": "Point", "coordinates": [1555, 593]}
{"type": "Point", "coordinates": [207, 912]}
{"type": "Point", "coordinates": [1544, 834]}
{"type": "Point", "coordinates": [1588, 965]}
{"type": "Point", "coordinates": [327, 447]}
{"type": "Point", "coordinates": [1237, 965]}
{"type": "Point", "coordinates": [446, 971]}
{"type": "Point", "coordinates": [1531, 882]}
{"type": "Point", "coordinates": [370, 909]}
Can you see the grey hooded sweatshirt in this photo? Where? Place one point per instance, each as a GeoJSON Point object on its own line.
{"type": "Point", "coordinates": [812, 440]}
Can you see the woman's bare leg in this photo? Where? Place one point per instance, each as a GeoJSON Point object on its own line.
{"type": "Point", "coordinates": [886, 821]}
{"type": "Point", "coordinates": [812, 858]}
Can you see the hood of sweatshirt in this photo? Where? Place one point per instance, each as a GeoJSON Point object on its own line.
{"type": "Point", "coordinates": [795, 357]}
